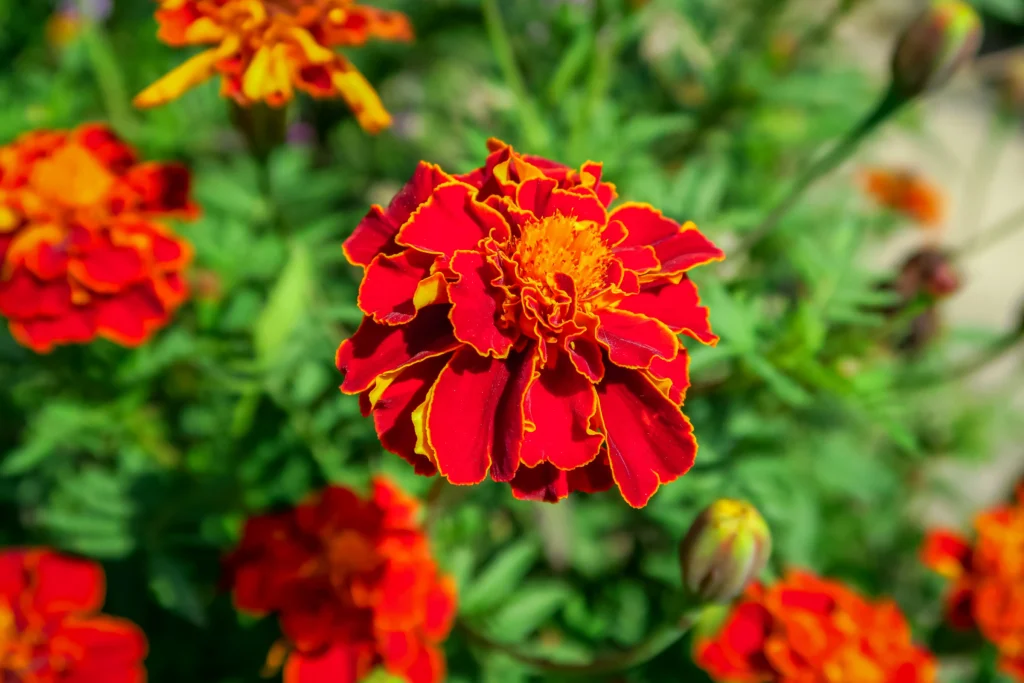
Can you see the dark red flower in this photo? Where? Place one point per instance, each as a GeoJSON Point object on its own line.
{"type": "Point", "coordinates": [49, 629]}
{"type": "Point", "coordinates": [987, 592]}
{"type": "Point", "coordinates": [519, 328]}
{"type": "Point", "coordinates": [352, 583]}
{"type": "Point", "coordinates": [81, 252]}
{"type": "Point", "coordinates": [805, 628]}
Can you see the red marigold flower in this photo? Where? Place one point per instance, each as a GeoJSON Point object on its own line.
{"type": "Point", "coordinates": [49, 629]}
{"type": "Point", "coordinates": [265, 49]}
{"type": "Point", "coordinates": [81, 252]}
{"type": "Point", "coordinates": [353, 584]}
{"type": "Point", "coordinates": [805, 628]}
{"type": "Point", "coordinates": [908, 193]}
{"type": "Point", "coordinates": [519, 328]}
{"type": "Point", "coordinates": [987, 591]}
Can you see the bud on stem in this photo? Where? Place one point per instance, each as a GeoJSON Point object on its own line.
{"type": "Point", "coordinates": [940, 40]}
{"type": "Point", "coordinates": [726, 548]}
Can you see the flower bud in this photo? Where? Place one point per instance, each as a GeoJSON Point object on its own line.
{"type": "Point", "coordinates": [726, 548]}
{"type": "Point", "coordinates": [943, 38]}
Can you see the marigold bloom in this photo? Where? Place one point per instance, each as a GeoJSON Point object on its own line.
{"type": "Point", "coordinates": [49, 629]}
{"type": "Point", "coordinates": [908, 193]}
{"type": "Point", "coordinates": [353, 585]}
{"type": "Point", "coordinates": [805, 628]}
{"type": "Point", "coordinates": [81, 252]}
{"type": "Point", "coordinates": [987, 591]}
{"type": "Point", "coordinates": [518, 328]}
{"type": "Point", "coordinates": [265, 49]}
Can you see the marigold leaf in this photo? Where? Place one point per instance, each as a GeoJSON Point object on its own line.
{"type": "Point", "coordinates": [287, 304]}
{"type": "Point", "coordinates": [500, 577]}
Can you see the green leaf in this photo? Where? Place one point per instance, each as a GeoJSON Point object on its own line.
{"type": "Point", "coordinates": [500, 577]}
{"type": "Point", "coordinates": [175, 590]}
{"type": "Point", "coordinates": [287, 305]}
{"type": "Point", "coordinates": [531, 605]}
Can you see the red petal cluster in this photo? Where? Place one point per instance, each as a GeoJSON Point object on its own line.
{"type": "Point", "coordinates": [805, 628]}
{"type": "Point", "coordinates": [49, 629]}
{"type": "Point", "coordinates": [518, 327]}
{"type": "Point", "coordinates": [353, 584]}
{"type": "Point", "coordinates": [907, 193]}
{"type": "Point", "coordinates": [988, 579]}
{"type": "Point", "coordinates": [81, 252]}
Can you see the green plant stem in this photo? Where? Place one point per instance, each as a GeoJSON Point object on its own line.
{"type": "Point", "coordinates": [109, 78]}
{"type": "Point", "coordinates": [821, 32]}
{"type": "Point", "coordinates": [1001, 230]}
{"type": "Point", "coordinates": [888, 105]}
{"type": "Point", "coordinates": [655, 644]}
{"type": "Point", "coordinates": [966, 368]}
{"type": "Point", "coordinates": [533, 131]}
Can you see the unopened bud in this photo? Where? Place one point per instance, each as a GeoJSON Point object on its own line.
{"type": "Point", "coordinates": [944, 37]}
{"type": "Point", "coordinates": [726, 548]}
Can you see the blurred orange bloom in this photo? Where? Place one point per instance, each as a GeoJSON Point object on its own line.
{"type": "Point", "coordinates": [987, 592]}
{"type": "Point", "coordinates": [353, 584]}
{"type": "Point", "coordinates": [81, 252]}
{"type": "Point", "coordinates": [907, 193]}
{"type": "Point", "coordinates": [49, 629]}
{"type": "Point", "coordinates": [805, 628]}
{"type": "Point", "coordinates": [518, 300]}
{"type": "Point", "coordinates": [264, 49]}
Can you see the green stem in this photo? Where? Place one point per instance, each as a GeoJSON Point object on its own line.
{"type": "Point", "coordinates": [821, 32]}
{"type": "Point", "coordinates": [109, 78]}
{"type": "Point", "coordinates": [888, 105]}
{"type": "Point", "coordinates": [1001, 230]}
{"type": "Point", "coordinates": [533, 129]}
{"type": "Point", "coordinates": [655, 644]}
{"type": "Point", "coordinates": [965, 369]}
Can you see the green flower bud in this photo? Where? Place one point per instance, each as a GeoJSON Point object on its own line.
{"type": "Point", "coordinates": [943, 38]}
{"type": "Point", "coordinates": [726, 548]}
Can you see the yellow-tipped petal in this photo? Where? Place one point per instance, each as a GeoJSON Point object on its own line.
{"type": "Point", "coordinates": [312, 50]}
{"type": "Point", "coordinates": [188, 75]}
{"type": "Point", "coordinates": [268, 77]}
{"type": "Point", "coordinates": [362, 99]}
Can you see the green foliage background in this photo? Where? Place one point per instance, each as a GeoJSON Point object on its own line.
{"type": "Point", "coordinates": [150, 459]}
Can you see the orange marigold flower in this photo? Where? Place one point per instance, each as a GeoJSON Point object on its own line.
{"type": "Point", "coordinates": [908, 193]}
{"type": "Point", "coordinates": [81, 252]}
{"type": "Point", "coordinates": [519, 328]}
{"type": "Point", "coordinates": [987, 591]}
{"type": "Point", "coordinates": [49, 629]}
{"type": "Point", "coordinates": [353, 584]}
{"type": "Point", "coordinates": [264, 49]}
{"type": "Point", "coordinates": [805, 628]}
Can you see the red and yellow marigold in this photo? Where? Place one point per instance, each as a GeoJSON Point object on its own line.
{"type": "Point", "coordinates": [517, 327]}
{"type": "Point", "coordinates": [266, 49]}
{"type": "Point", "coordinates": [805, 628]}
{"type": "Point", "coordinates": [353, 585]}
{"type": "Point", "coordinates": [907, 193]}
{"type": "Point", "coordinates": [83, 253]}
{"type": "Point", "coordinates": [50, 631]}
{"type": "Point", "coordinates": [987, 591]}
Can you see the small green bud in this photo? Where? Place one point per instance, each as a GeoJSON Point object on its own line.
{"type": "Point", "coordinates": [944, 37]}
{"type": "Point", "coordinates": [726, 548]}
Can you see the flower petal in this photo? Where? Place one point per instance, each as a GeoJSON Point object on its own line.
{"type": "Point", "coordinates": [389, 286]}
{"type": "Point", "coordinates": [441, 609]}
{"type": "Point", "coordinates": [675, 304]}
{"type": "Point", "coordinates": [375, 349]}
{"type": "Point", "coordinates": [946, 553]}
{"type": "Point", "coordinates": [476, 306]}
{"type": "Point", "coordinates": [586, 357]}
{"type": "Point", "coordinates": [375, 234]}
{"type": "Point", "coordinates": [678, 248]}
{"type": "Point", "coordinates": [510, 420]}
{"type": "Point", "coordinates": [649, 441]}
{"type": "Point", "coordinates": [461, 415]}
{"type": "Point", "coordinates": [189, 74]}
{"type": "Point", "coordinates": [547, 483]}
{"type": "Point", "coordinates": [562, 407]}
{"type": "Point", "coordinates": [65, 584]}
{"type": "Point", "coordinates": [341, 663]}
{"type": "Point", "coordinates": [633, 340]}
{"type": "Point", "coordinates": [392, 411]}
{"type": "Point", "coordinates": [672, 377]}
{"type": "Point", "coordinates": [450, 220]}
{"type": "Point", "coordinates": [114, 650]}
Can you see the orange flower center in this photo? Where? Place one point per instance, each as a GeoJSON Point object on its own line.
{"type": "Point", "coordinates": [73, 177]}
{"type": "Point", "coordinates": [562, 245]}
{"type": "Point", "coordinates": [347, 552]}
